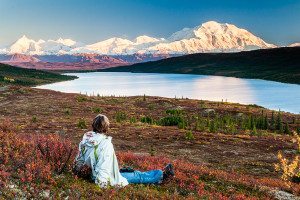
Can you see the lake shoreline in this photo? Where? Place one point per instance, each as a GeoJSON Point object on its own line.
{"type": "Point", "coordinates": [201, 87]}
{"type": "Point", "coordinates": [265, 64]}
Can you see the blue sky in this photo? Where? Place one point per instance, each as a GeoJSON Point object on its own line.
{"type": "Point", "coordinates": [276, 21]}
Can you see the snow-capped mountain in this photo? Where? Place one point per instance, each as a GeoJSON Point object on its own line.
{"type": "Point", "coordinates": [3, 51]}
{"type": "Point", "coordinates": [27, 46]}
{"type": "Point", "coordinates": [144, 39]}
{"type": "Point", "coordinates": [119, 46]}
{"type": "Point", "coordinates": [59, 46]}
{"type": "Point", "coordinates": [295, 45]}
{"type": "Point", "coordinates": [110, 46]}
{"type": "Point", "coordinates": [208, 37]}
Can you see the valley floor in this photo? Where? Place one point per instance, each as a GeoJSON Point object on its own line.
{"type": "Point", "coordinates": [232, 164]}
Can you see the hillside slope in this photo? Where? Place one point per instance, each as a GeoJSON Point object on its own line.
{"type": "Point", "coordinates": [28, 77]}
{"type": "Point", "coordinates": [219, 156]}
{"type": "Point", "coordinates": [280, 64]}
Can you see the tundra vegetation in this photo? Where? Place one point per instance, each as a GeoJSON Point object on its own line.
{"type": "Point", "coordinates": [220, 150]}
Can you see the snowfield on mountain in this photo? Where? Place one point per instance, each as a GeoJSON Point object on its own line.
{"type": "Point", "coordinates": [295, 45]}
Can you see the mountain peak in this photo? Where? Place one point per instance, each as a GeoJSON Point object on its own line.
{"type": "Point", "coordinates": [24, 45]}
{"type": "Point", "coordinates": [211, 24]}
{"type": "Point", "coordinates": [24, 37]}
{"type": "Point", "coordinates": [67, 42]}
{"type": "Point", "coordinates": [214, 26]}
{"type": "Point", "coordinates": [145, 39]}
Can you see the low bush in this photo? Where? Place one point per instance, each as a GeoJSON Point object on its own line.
{"type": "Point", "coordinates": [34, 119]}
{"type": "Point", "coordinates": [97, 110]}
{"type": "Point", "coordinates": [68, 111]}
{"type": "Point", "coordinates": [81, 123]}
{"type": "Point", "coordinates": [33, 160]}
{"type": "Point", "coordinates": [81, 98]}
{"type": "Point", "coordinates": [147, 120]}
{"type": "Point", "coordinates": [189, 135]}
{"type": "Point", "coordinates": [132, 120]}
{"type": "Point", "coordinates": [151, 107]}
{"type": "Point", "coordinates": [289, 167]}
{"type": "Point", "coordinates": [174, 112]}
{"type": "Point", "coordinates": [120, 116]}
{"type": "Point", "coordinates": [171, 120]}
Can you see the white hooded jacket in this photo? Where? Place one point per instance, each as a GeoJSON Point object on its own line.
{"type": "Point", "coordinates": [96, 151]}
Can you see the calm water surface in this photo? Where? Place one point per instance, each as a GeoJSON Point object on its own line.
{"type": "Point", "coordinates": [268, 94]}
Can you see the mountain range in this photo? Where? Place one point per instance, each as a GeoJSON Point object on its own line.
{"type": "Point", "coordinates": [209, 37]}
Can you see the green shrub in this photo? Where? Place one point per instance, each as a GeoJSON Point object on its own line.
{"type": "Point", "coordinates": [287, 128]}
{"type": "Point", "coordinates": [182, 125]}
{"type": "Point", "coordinates": [34, 119]}
{"type": "Point", "coordinates": [81, 123]}
{"type": "Point", "coordinates": [202, 104]}
{"type": "Point", "coordinates": [273, 121]}
{"type": "Point", "coordinates": [68, 111]}
{"type": "Point", "coordinates": [97, 110]}
{"type": "Point", "coordinates": [147, 120]}
{"type": "Point", "coordinates": [279, 126]}
{"type": "Point", "coordinates": [200, 125]}
{"type": "Point", "coordinates": [255, 106]}
{"type": "Point", "coordinates": [132, 120]}
{"type": "Point", "coordinates": [81, 98]}
{"type": "Point", "coordinates": [120, 116]}
{"type": "Point", "coordinates": [254, 131]}
{"type": "Point", "coordinates": [152, 151]}
{"type": "Point", "coordinates": [189, 135]}
{"type": "Point", "coordinates": [151, 107]}
{"type": "Point", "coordinates": [174, 112]}
{"type": "Point", "coordinates": [171, 120]}
{"type": "Point", "coordinates": [212, 126]}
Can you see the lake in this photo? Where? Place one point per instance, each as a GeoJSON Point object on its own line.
{"type": "Point", "coordinates": [268, 94]}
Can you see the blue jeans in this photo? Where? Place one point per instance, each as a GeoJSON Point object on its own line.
{"type": "Point", "coordinates": [148, 177]}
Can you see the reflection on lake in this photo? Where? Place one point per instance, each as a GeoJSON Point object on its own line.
{"type": "Point", "coordinates": [265, 93]}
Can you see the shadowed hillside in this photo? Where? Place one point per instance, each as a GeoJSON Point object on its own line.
{"type": "Point", "coordinates": [280, 64]}
{"type": "Point", "coordinates": [28, 77]}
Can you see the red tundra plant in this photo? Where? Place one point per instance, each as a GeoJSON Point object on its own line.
{"type": "Point", "coordinates": [6, 125]}
{"type": "Point", "coordinates": [188, 176]}
{"type": "Point", "coordinates": [57, 151]}
{"type": "Point", "coordinates": [33, 160]}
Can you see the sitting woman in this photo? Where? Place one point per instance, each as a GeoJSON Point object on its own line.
{"type": "Point", "coordinates": [96, 153]}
